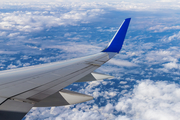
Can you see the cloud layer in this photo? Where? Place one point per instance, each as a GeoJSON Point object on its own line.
{"type": "Point", "coordinates": [149, 100]}
{"type": "Point", "coordinates": [152, 101]}
{"type": "Point", "coordinates": [33, 33]}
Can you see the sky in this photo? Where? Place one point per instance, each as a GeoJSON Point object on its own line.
{"type": "Point", "coordinates": [146, 84]}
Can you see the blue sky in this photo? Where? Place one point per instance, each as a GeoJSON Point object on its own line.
{"type": "Point", "coordinates": [146, 83]}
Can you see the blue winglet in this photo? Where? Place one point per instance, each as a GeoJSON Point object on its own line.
{"type": "Point", "coordinates": [116, 43]}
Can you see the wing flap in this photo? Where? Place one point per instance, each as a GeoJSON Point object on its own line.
{"type": "Point", "coordinates": [14, 109]}
{"type": "Point", "coordinates": [63, 97]}
{"type": "Point", "coordinates": [94, 77]}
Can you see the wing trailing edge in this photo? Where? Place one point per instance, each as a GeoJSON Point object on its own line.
{"type": "Point", "coordinates": [116, 42]}
{"type": "Point", "coordinates": [94, 77]}
{"type": "Point", "coordinates": [13, 109]}
{"type": "Point", "coordinates": [63, 97]}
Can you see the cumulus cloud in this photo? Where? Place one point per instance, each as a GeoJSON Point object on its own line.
{"type": "Point", "coordinates": [171, 65]}
{"type": "Point", "coordinates": [11, 66]}
{"type": "Point", "coordinates": [66, 114]}
{"type": "Point", "coordinates": [151, 100]}
{"type": "Point", "coordinates": [166, 60]}
{"type": "Point", "coordinates": [123, 82]}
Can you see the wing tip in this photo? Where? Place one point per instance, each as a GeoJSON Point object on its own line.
{"type": "Point", "coordinates": [116, 43]}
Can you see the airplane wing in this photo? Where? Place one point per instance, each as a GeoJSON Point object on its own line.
{"type": "Point", "coordinates": [42, 85]}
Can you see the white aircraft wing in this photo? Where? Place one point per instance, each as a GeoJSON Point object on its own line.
{"type": "Point", "coordinates": [42, 85]}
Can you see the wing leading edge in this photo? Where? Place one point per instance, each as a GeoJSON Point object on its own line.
{"type": "Point", "coordinates": [42, 85]}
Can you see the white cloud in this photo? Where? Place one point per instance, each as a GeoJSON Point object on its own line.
{"type": "Point", "coordinates": [164, 59]}
{"type": "Point", "coordinates": [3, 33]}
{"type": "Point", "coordinates": [11, 66]}
{"type": "Point", "coordinates": [170, 1]}
{"type": "Point", "coordinates": [123, 63]}
{"type": "Point", "coordinates": [76, 48]}
{"type": "Point", "coordinates": [112, 29]}
{"type": "Point", "coordinates": [176, 36]}
{"type": "Point", "coordinates": [7, 52]}
{"type": "Point", "coordinates": [171, 65]}
{"type": "Point", "coordinates": [161, 28]}
{"type": "Point", "coordinates": [123, 82]}
{"type": "Point", "coordinates": [136, 5]}
{"type": "Point", "coordinates": [13, 34]}
{"type": "Point", "coordinates": [79, 15]}
{"type": "Point", "coordinates": [110, 69]}
{"type": "Point", "coordinates": [122, 118]}
{"type": "Point", "coordinates": [31, 21]}
{"type": "Point", "coordinates": [152, 101]}
{"type": "Point", "coordinates": [108, 107]}
{"type": "Point", "coordinates": [148, 101]}
{"type": "Point", "coordinates": [36, 21]}
{"type": "Point", "coordinates": [161, 56]}
{"type": "Point", "coordinates": [80, 116]}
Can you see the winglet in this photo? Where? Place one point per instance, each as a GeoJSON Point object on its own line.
{"type": "Point", "coordinates": [116, 43]}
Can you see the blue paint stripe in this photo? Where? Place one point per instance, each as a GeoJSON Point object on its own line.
{"type": "Point", "coordinates": [117, 41]}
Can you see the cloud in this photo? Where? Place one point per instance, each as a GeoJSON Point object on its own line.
{"type": "Point", "coordinates": [123, 82]}
{"type": "Point", "coordinates": [171, 65]}
{"type": "Point", "coordinates": [136, 5]}
{"type": "Point", "coordinates": [68, 114]}
{"type": "Point", "coordinates": [79, 15]}
{"type": "Point", "coordinates": [19, 27]}
{"type": "Point", "coordinates": [32, 21]}
{"type": "Point", "coordinates": [161, 28]}
{"type": "Point", "coordinates": [137, 54]}
{"type": "Point", "coordinates": [13, 34]}
{"type": "Point", "coordinates": [170, 1]}
{"type": "Point", "coordinates": [76, 49]}
{"type": "Point", "coordinates": [122, 63]}
{"type": "Point", "coordinates": [158, 61]}
{"type": "Point", "coordinates": [108, 107]}
{"type": "Point", "coordinates": [7, 52]}
{"type": "Point", "coordinates": [11, 66]}
{"type": "Point", "coordinates": [112, 29]}
{"type": "Point", "coordinates": [151, 100]}
{"type": "Point", "coordinates": [171, 38]}
{"type": "Point", "coordinates": [3, 33]}
{"type": "Point", "coordinates": [148, 100]}
{"type": "Point", "coordinates": [160, 56]}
